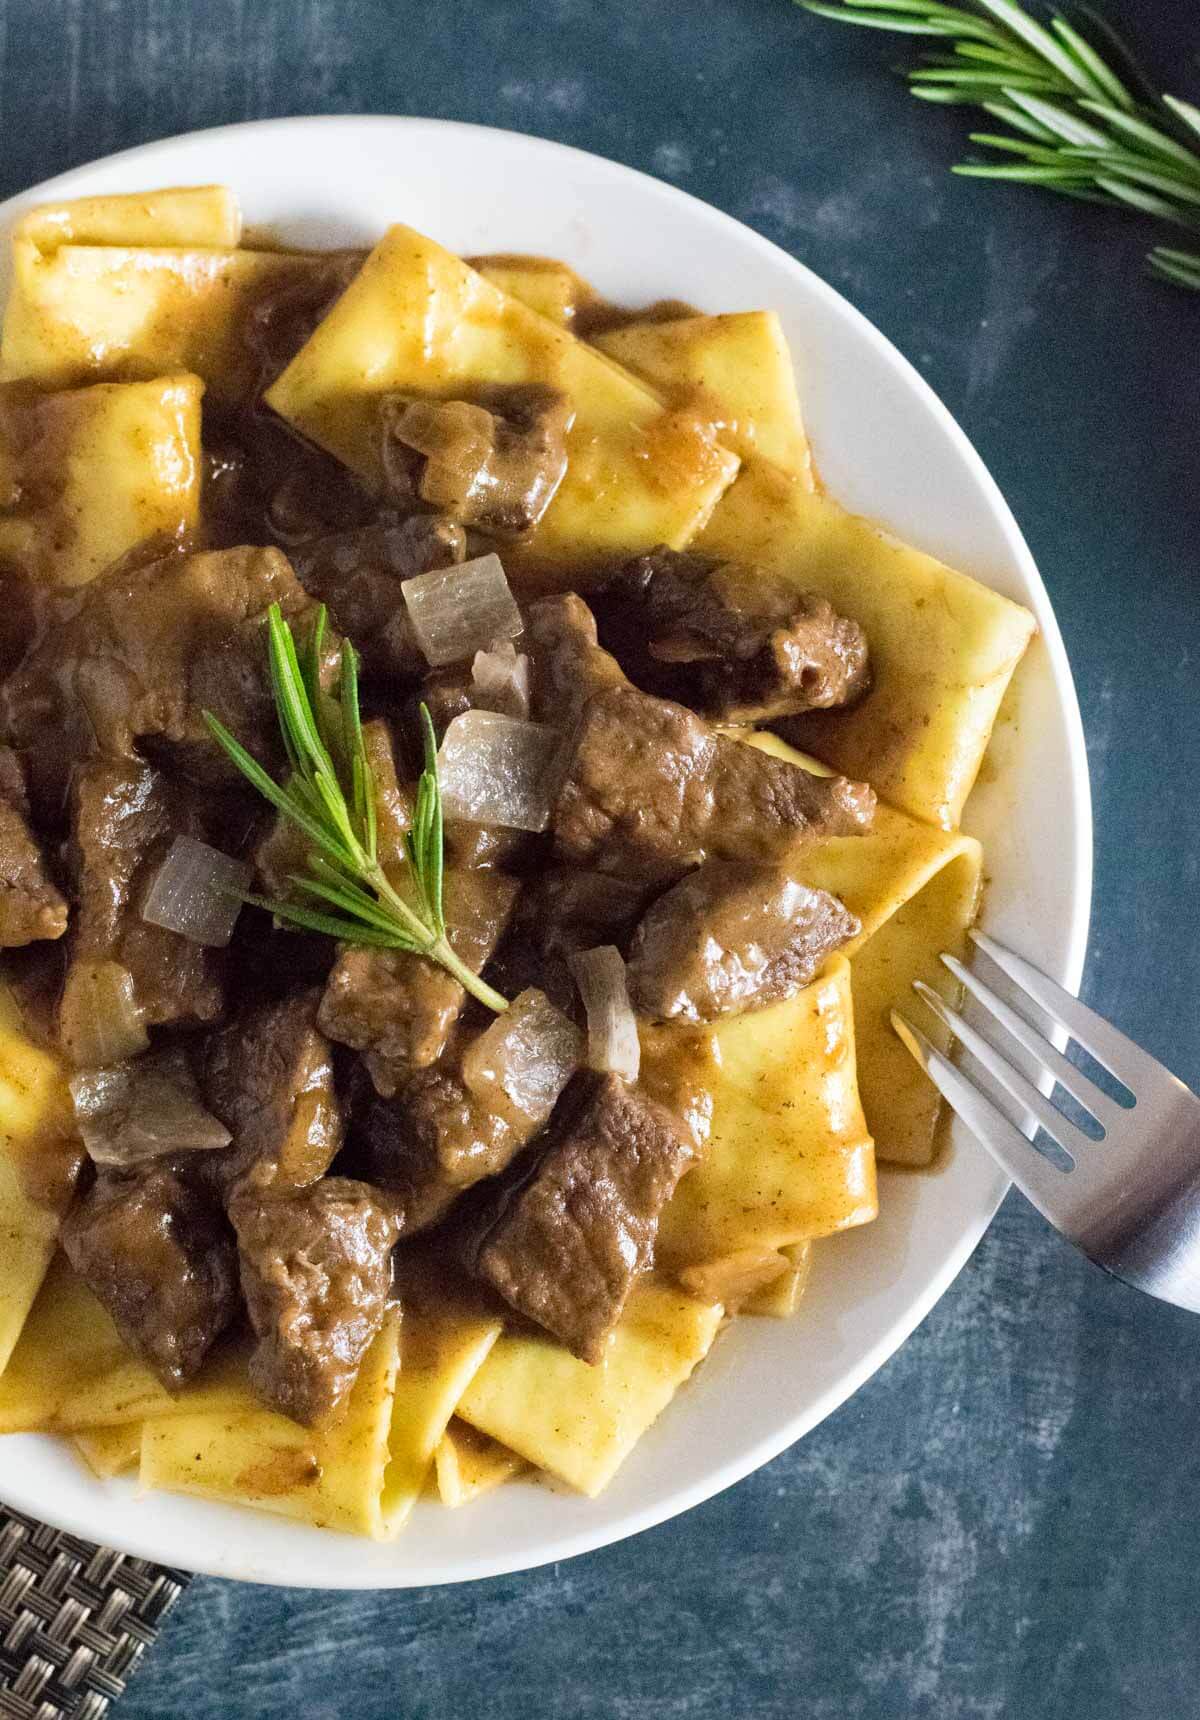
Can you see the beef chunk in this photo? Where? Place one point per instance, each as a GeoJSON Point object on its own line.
{"type": "Point", "coordinates": [316, 1270]}
{"type": "Point", "coordinates": [358, 574]}
{"type": "Point", "coordinates": [160, 1257]}
{"type": "Point", "coordinates": [31, 905]}
{"type": "Point", "coordinates": [268, 1076]}
{"type": "Point", "coordinates": [124, 817]}
{"type": "Point", "coordinates": [140, 659]}
{"type": "Point", "coordinates": [398, 1009]}
{"type": "Point", "coordinates": [731, 937]}
{"type": "Point", "coordinates": [562, 911]}
{"type": "Point", "coordinates": [455, 1125]}
{"type": "Point", "coordinates": [566, 662]}
{"type": "Point", "coordinates": [480, 847]}
{"type": "Point", "coordinates": [494, 463]}
{"type": "Point", "coordinates": [651, 787]}
{"type": "Point", "coordinates": [564, 1244]}
{"type": "Point", "coordinates": [731, 640]}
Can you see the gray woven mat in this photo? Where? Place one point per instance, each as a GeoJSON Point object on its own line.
{"type": "Point", "coordinates": [74, 1620]}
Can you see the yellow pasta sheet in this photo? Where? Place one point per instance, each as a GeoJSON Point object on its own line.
{"type": "Point", "coordinates": [790, 1156]}
{"type": "Point", "coordinates": [550, 288]}
{"type": "Point", "coordinates": [71, 1372]}
{"type": "Point", "coordinates": [419, 320]}
{"type": "Point", "coordinates": [916, 890]}
{"type": "Point", "coordinates": [580, 1422]}
{"type": "Point", "coordinates": [110, 1451]}
{"type": "Point", "coordinates": [736, 369]}
{"type": "Point", "coordinates": [943, 647]}
{"type": "Point", "coordinates": [179, 215]}
{"type": "Point", "coordinates": [91, 475]}
{"type": "Point", "coordinates": [332, 1477]}
{"type": "Point", "coordinates": [36, 1123]}
{"type": "Point", "coordinates": [442, 1347]}
{"type": "Point", "coordinates": [91, 313]}
{"type": "Point", "coordinates": [780, 1299]}
{"type": "Point", "coordinates": [468, 1464]}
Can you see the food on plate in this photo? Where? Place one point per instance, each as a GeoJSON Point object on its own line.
{"type": "Point", "coordinates": [468, 801]}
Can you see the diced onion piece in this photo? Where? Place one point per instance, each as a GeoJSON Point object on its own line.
{"type": "Point", "coordinates": [457, 611]}
{"type": "Point", "coordinates": [136, 1111]}
{"type": "Point", "coordinates": [99, 1021]}
{"type": "Point", "coordinates": [613, 1045]}
{"type": "Point", "coordinates": [499, 770]}
{"type": "Point", "coordinates": [521, 1063]}
{"type": "Point", "coordinates": [500, 681]}
{"type": "Point", "coordinates": [195, 893]}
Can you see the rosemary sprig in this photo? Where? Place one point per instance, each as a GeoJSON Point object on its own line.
{"type": "Point", "coordinates": [330, 795]}
{"type": "Point", "coordinates": [1076, 124]}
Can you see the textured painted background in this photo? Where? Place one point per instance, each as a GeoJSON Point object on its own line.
{"type": "Point", "coordinates": [1006, 1521]}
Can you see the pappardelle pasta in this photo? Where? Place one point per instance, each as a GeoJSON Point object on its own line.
{"type": "Point", "coordinates": [469, 800]}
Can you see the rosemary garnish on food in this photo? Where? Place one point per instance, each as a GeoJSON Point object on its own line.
{"type": "Point", "coordinates": [329, 794]}
{"type": "Point", "coordinates": [1076, 124]}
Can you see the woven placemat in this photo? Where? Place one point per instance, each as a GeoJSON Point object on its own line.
{"type": "Point", "coordinates": [74, 1620]}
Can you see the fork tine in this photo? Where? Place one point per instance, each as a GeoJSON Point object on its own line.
{"type": "Point", "coordinates": [1119, 1055]}
{"type": "Point", "coordinates": [1060, 1128]}
{"type": "Point", "coordinates": [1105, 1110]}
{"type": "Point", "coordinates": [1035, 1176]}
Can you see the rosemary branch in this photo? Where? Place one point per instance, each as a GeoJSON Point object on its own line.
{"type": "Point", "coordinates": [1081, 119]}
{"type": "Point", "coordinates": [330, 795]}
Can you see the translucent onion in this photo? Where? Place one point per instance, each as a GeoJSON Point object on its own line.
{"type": "Point", "coordinates": [137, 1111]}
{"type": "Point", "coordinates": [500, 681]}
{"type": "Point", "coordinates": [499, 770]}
{"type": "Point", "coordinates": [457, 611]}
{"type": "Point", "coordinates": [521, 1063]}
{"type": "Point", "coordinates": [613, 1045]}
{"type": "Point", "coordinates": [99, 1021]}
{"type": "Point", "coordinates": [195, 893]}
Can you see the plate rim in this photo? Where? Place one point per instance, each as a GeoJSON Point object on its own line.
{"type": "Point", "coordinates": [144, 1544]}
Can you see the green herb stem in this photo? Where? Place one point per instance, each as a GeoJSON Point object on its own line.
{"type": "Point", "coordinates": [330, 796]}
{"type": "Point", "coordinates": [1082, 127]}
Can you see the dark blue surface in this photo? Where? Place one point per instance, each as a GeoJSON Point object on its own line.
{"type": "Point", "coordinates": [1006, 1521]}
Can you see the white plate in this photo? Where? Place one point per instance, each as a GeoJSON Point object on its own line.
{"type": "Point", "coordinates": [887, 447]}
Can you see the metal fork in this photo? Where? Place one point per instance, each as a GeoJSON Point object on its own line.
{"type": "Point", "coordinates": [1130, 1199]}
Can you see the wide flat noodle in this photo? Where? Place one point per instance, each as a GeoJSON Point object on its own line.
{"type": "Point", "coordinates": [71, 1370]}
{"type": "Point", "coordinates": [36, 1122]}
{"type": "Point", "coordinates": [780, 1299]}
{"type": "Point", "coordinates": [441, 1350]}
{"type": "Point", "coordinates": [580, 1422]}
{"type": "Point", "coordinates": [110, 1451]}
{"type": "Point", "coordinates": [177, 215]}
{"type": "Point", "coordinates": [332, 1477]}
{"type": "Point", "coordinates": [943, 647]}
{"type": "Point", "coordinates": [96, 474]}
{"type": "Point", "coordinates": [790, 1156]}
{"type": "Point", "coordinates": [916, 890]}
{"type": "Point", "coordinates": [550, 288]}
{"type": "Point", "coordinates": [468, 1464]}
{"type": "Point", "coordinates": [736, 368]}
{"type": "Point", "coordinates": [419, 320]}
{"type": "Point", "coordinates": [93, 313]}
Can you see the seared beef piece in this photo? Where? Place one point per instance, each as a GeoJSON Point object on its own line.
{"type": "Point", "coordinates": [316, 1270]}
{"type": "Point", "coordinates": [560, 912]}
{"type": "Point", "coordinates": [283, 850]}
{"type": "Point", "coordinates": [359, 574]}
{"type": "Point", "coordinates": [124, 817]}
{"type": "Point", "coordinates": [398, 1009]}
{"type": "Point", "coordinates": [431, 1143]}
{"type": "Point", "coordinates": [651, 787]}
{"type": "Point", "coordinates": [564, 1244]}
{"type": "Point", "coordinates": [31, 905]}
{"type": "Point", "coordinates": [268, 1076]}
{"type": "Point", "coordinates": [566, 663]}
{"type": "Point", "coordinates": [143, 655]}
{"type": "Point", "coordinates": [447, 693]}
{"type": "Point", "coordinates": [731, 937]}
{"type": "Point", "coordinates": [493, 464]}
{"type": "Point", "coordinates": [733, 641]}
{"type": "Point", "coordinates": [480, 847]}
{"type": "Point", "coordinates": [161, 1258]}
{"type": "Point", "coordinates": [468, 1117]}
